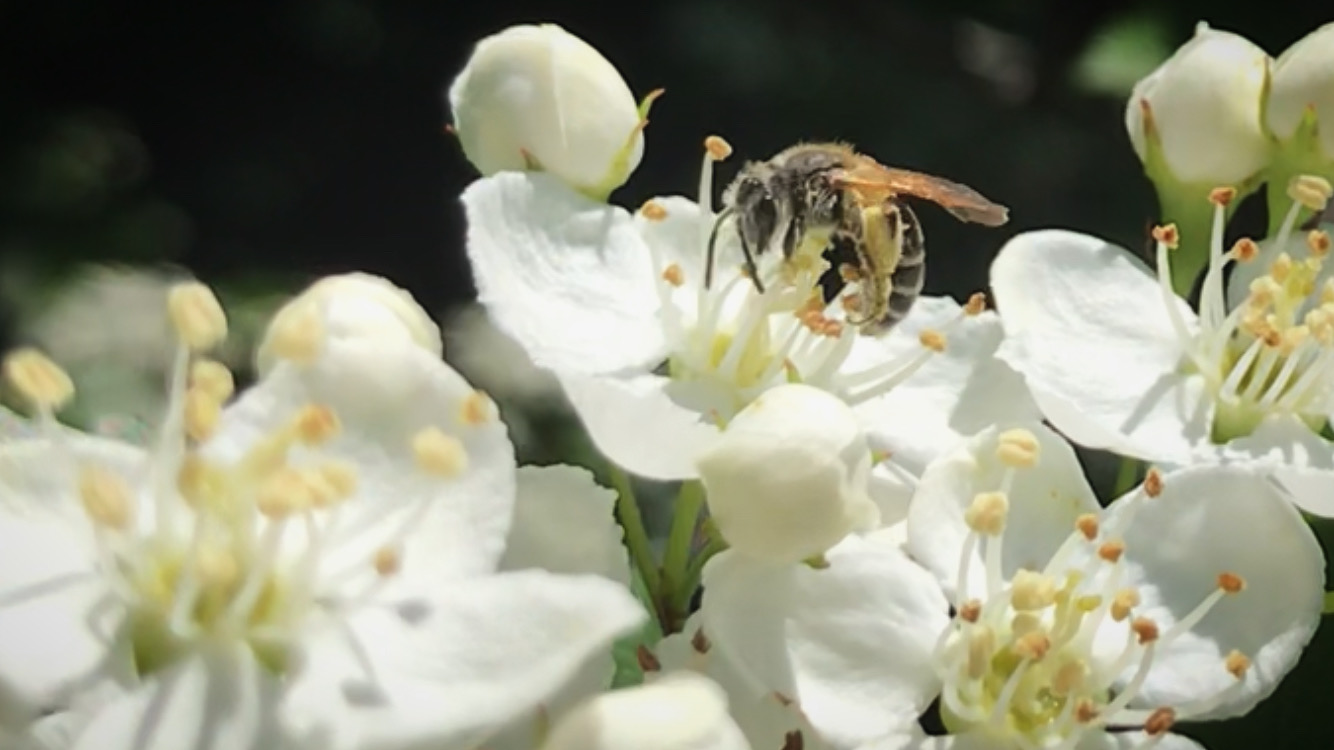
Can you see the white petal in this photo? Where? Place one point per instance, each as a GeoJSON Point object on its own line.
{"type": "Point", "coordinates": [646, 424]}
{"type": "Point", "coordinates": [220, 699]}
{"type": "Point", "coordinates": [58, 634]}
{"type": "Point", "coordinates": [1087, 326]}
{"type": "Point", "coordinates": [451, 670]}
{"type": "Point", "coordinates": [851, 643]}
{"type": "Point", "coordinates": [1206, 522]}
{"type": "Point", "coordinates": [383, 395]}
{"type": "Point", "coordinates": [569, 278]}
{"type": "Point", "coordinates": [1300, 460]}
{"type": "Point", "coordinates": [1133, 741]}
{"type": "Point", "coordinates": [1044, 500]}
{"type": "Point", "coordinates": [958, 392]}
{"type": "Point", "coordinates": [564, 522]}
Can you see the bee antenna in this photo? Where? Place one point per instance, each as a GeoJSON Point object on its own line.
{"type": "Point", "coordinates": [713, 242]}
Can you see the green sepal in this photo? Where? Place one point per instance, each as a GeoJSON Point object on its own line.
{"type": "Point", "coordinates": [625, 652]}
{"type": "Point", "coordinates": [1300, 154]}
{"type": "Point", "coordinates": [620, 163]}
{"type": "Point", "coordinates": [816, 562]}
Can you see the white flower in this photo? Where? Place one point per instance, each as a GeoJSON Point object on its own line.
{"type": "Point", "coordinates": [351, 305]}
{"type": "Point", "coordinates": [314, 563]}
{"type": "Point", "coordinates": [679, 711]}
{"type": "Point", "coordinates": [1199, 111]}
{"type": "Point", "coordinates": [615, 306]}
{"type": "Point", "coordinates": [538, 97]}
{"type": "Point", "coordinates": [1073, 622]}
{"type": "Point", "coordinates": [788, 478]}
{"type": "Point", "coordinates": [1302, 83]}
{"type": "Point", "coordinates": [1119, 362]}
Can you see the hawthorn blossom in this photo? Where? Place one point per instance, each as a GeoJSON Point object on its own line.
{"type": "Point", "coordinates": [311, 565]}
{"type": "Point", "coordinates": [1117, 361]}
{"type": "Point", "coordinates": [615, 306]}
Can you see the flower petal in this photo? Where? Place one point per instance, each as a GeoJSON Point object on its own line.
{"type": "Point", "coordinates": [1087, 326]}
{"type": "Point", "coordinates": [383, 395]}
{"type": "Point", "coordinates": [569, 278]}
{"type": "Point", "coordinates": [1132, 740]}
{"type": "Point", "coordinates": [850, 644]}
{"type": "Point", "coordinates": [217, 698]}
{"type": "Point", "coordinates": [1045, 500]}
{"type": "Point", "coordinates": [58, 632]}
{"type": "Point", "coordinates": [958, 392]}
{"type": "Point", "coordinates": [1300, 459]}
{"type": "Point", "coordinates": [646, 424]}
{"type": "Point", "coordinates": [564, 522]}
{"type": "Point", "coordinates": [449, 671]}
{"type": "Point", "coordinates": [1205, 523]}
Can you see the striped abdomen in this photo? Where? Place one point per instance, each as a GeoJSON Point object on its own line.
{"type": "Point", "coordinates": [890, 268]}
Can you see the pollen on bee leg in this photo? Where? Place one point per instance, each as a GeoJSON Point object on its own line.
{"type": "Point", "coordinates": [1311, 191]}
{"type": "Point", "coordinates": [717, 147]}
{"type": "Point", "coordinates": [38, 379]}
{"type": "Point", "coordinates": [214, 378]}
{"type": "Point", "coordinates": [933, 340]}
{"type": "Point", "coordinates": [298, 338]}
{"type": "Point", "coordinates": [987, 513]}
{"type": "Point", "coordinates": [673, 275]}
{"type": "Point", "coordinates": [1244, 250]}
{"type": "Point", "coordinates": [1160, 722]}
{"type": "Point", "coordinates": [202, 413]}
{"type": "Point", "coordinates": [1237, 664]}
{"type": "Point", "coordinates": [1222, 196]}
{"type": "Point", "coordinates": [976, 304]}
{"type": "Point", "coordinates": [1317, 242]}
{"type": "Point", "coordinates": [653, 210]}
{"type": "Point", "coordinates": [106, 498]}
{"type": "Point", "coordinates": [387, 561]}
{"type": "Point", "coordinates": [477, 409]}
{"type": "Point", "coordinates": [439, 454]}
{"type": "Point", "coordinates": [196, 315]}
{"type": "Point", "coordinates": [1018, 448]}
{"type": "Point", "coordinates": [1166, 235]}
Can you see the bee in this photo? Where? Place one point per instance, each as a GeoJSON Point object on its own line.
{"type": "Point", "coordinates": [817, 200]}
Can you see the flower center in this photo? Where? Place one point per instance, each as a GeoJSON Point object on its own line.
{"type": "Point", "coordinates": [745, 341]}
{"type": "Point", "coordinates": [1021, 661]}
{"type": "Point", "coordinates": [1272, 354]}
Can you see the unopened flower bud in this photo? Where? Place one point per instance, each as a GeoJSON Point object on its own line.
{"type": "Point", "coordinates": [679, 711]}
{"type": "Point", "coordinates": [355, 306]}
{"type": "Point", "coordinates": [538, 97]}
{"type": "Point", "coordinates": [1199, 112]}
{"type": "Point", "coordinates": [787, 480]}
{"type": "Point", "coordinates": [1302, 86]}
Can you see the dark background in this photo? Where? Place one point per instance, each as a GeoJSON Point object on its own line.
{"type": "Point", "coordinates": [263, 144]}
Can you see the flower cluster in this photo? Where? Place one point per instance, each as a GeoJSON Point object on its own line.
{"type": "Point", "coordinates": [879, 541]}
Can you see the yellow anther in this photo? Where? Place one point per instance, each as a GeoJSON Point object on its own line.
{"type": "Point", "coordinates": [986, 514]}
{"type": "Point", "coordinates": [1237, 664]}
{"type": "Point", "coordinates": [1032, 646]}
{"type": "Point", "coordinates": [213, 378]}
{"type": "Point", "coordinates": [315, 424]}
{"type": "Point", "coordinates": [1031, 591]}
{"type": "Point", "coordinates": [37, 379]}
{"type": "Point", "coordinates": [1231, 583]}
{"type": "Point", "coordinates": [976, 305]}
{"type": "Point", "coordinates": [1281, 268]}
{"type": "Point", "coordinates": [1311, 191]}
{"type": "Point", "coordinates": [1087, 525]}
{"type": "Point", "coordinates": [1070, 677]}
{"type": "Point", "coordinates": [1153, 483]}
{"type": "Point", "coordinates": [477, 409]}
{"type": "Point", "coordinates": [1245, 250]}
{"type": "Point", "coordinates": [333, 482]}
{"type": "Point", "coordinates": [1293, 338]}
{"type": "Point", "coordinates": [106, 498]}
{"type": "Point", "coordinates": [981, 649]}
{"type": "Point", "coordinates": [202, 412]}
{"type": "Point", "coordinates": [200, 482]}
{"type": "Point", "coordinates": [718, 148]}
{"type": "Point", "coordinates": [673, 275]}
{"type": "Point", "coordinates": [297, 337]}
{"type": "Point", "coordinates": [933, 340]}
{"type": "Point", "coordinates": [1166, 235]}
{"type": "Point", "coordinates": [1160, 722]}
{"type": "Point", "coordinates": [1123, 604]}
{"type": "Point", "coordinates": [1088, 603]}
{"type": "Point", "coordinates": [196, 315]}
{"type": "Point", "coordinates": [387, 562]}
{"type": "Point", "coordinates": [216, 566]}
{"type": "Point", "coordinates": [653, 210]}
{"type": "Point", "coordinates": [439, 454]}
{"type": "Point", "coordinates": [1222, 196]}
{"type": "Point", "coordinates": [283, 494]}
{"type": "Point", "coordinates": [1018, 448]}
{"type": "Point", "coordinates": [1146, 630]}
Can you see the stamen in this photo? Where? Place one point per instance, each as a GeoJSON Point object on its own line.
{"type": "Point", "coordinates": [196, 315]}
{"type": "Point", "coordinates": [1123, 604]}
{"type": "Point", "coordinates": [38, 379]}
{"type": "Point", "coordinates": [976, 304]}
{"type": "Point", "coordinates": [1087, 524]}
{"type": "Point", "coordinates": [1213, 305]}
{"type": "Point", "coordinates": [987, 513]}
{"type": "Point", "coordinates": [1244, 250]}
{"type": "Point", "coordinates": [1311, 191]}
{"type": "Point", "coordinates": [970, 610]}
{"type": "Point", "coordinates": [1112, 550]}
{"type": "Point", "coordinates": [1160, 722]}
{"type": "Point", "coordinates": [673, 275]}
{"type": "Point", "coordinates": [933, 340]}
{"type": "Point", "coordinates": [1237, 664]}
{"type": "Point", "coordinates": [1317, 243]}
{"type": "Point", "coordinates": [1032, 591]}
{"type": "Point", "coordinates": [1018, 449]}
{"type": "Point", "coordinates": [653, 211]}
{"type": "Point", "coordinates": [1166, 238]}
{"type": "Point", "coordinates": [718, 148]}
{"type": "Point", "coordinates": [316, 424]}
{"type": "Point", "coordinates": [299, 337]}
{"type": "Point", "coordinates": [439, 454]}
{"type": "Point", "coordinates": [213, 378]}
{"type": "Point", "coordinates": [202, 413]}
{"type": "Point", "coordinates": [1228, 584]}
{"type": "Point", "coordinates": [106, 498]}
{"type": "Point", "coordinates": [1153, 483]}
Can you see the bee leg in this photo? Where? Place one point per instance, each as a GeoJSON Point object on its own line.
{"type": "Point", "coordinates": [751, 269]}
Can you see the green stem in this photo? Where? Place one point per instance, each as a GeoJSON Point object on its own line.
{"type": "Point", "coordinates": [636, 537]}
{"type": "Point", "coordinates": [695, 570]}
{"type": "Point", "coordinates": [1193, 215]}
{"type": "Point", "coordinates": [681, 537]}
{"type": "Point", "coordinates": [1126, 477]}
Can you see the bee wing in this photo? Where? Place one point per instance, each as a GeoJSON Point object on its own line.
{"type": "Point", "coordinates": [877, 182]}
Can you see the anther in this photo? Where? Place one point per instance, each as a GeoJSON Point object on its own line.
{"type": "Point", "coordinates": [1167, 235]}
{"type": "Point", "coordinates": [1070, 677]}
{"type": "Point", "coordinates": [217, 566]}
{"type": "Point", "coordinates": [1237, 664]}
{"type": "Point", "coordinates": [1222, 196]}
{"type": "Point", "coordinates": [1018, 449]}
{"type": "Point", "coordinates": [1032, 591]}
{"type": "Point", "coordinates": [1311, 191]}
{"type": "Point", "coordinates": [970, 610]}
{"type": "Point", "coordinates": [933, 340]}
{"type": "Point", "coordinates": [202, 413]}
{"type": "Point", "coordinates": [298, 338]}
{"type": "Point", "coordinates": [1112, 550]}
{"type": "Point", "coordinates": [388, 561]}
{"type": "Point", "coordinates": [213, 378]}
{"type": "Point", "coordinates": [196, 315]}
{"type": "Point", "coordinates": [439, 454]}
{"type": "Point", "coordinates": [283, 494]}
{"type": "Point", "coordinates": [1123, 604]}
{"type": "Point", "coordinates": [1146, 630]}
{"type": "Point", "coordinates": [648, 661]}
{"type": "Point", "coordinates": [1086, 712]}
{"type": "Point", "coordinates": [106, 498]}
{"type": "Point", "coordinates": [476, 409]}
{"type": "Point", "coordinates": [986, 514]}
{"type": "Point", "coordinates": [332, 482]}
{"type": "Point", "coordinates": [1281, 268]}
{"type": "Point", "coordinates": [1033, 646]}
{"type": "Point", "coordinates": [674, 275]}
{"type": "Point", "coordinates": [1317, 242]}
{"type": "Point", "coordinates": [976, 304]}
{"type": "Point", "coordinates": [38, 379]}
{"type": "Point", "coordinates": [653, 210]}
{"type": "Point", "coordinates": [794, 740]}
{"type": "Point", "coordinates": [1244, 250]}
{"type": "Point", "coordinates": [1153, 483]}
{"type": "Point", "coordinates": [1160, 721]}
{"type": "Point", "coordinates": [700, 642]}
{"type": "Point", "coordinates": [315, 424]}
{"type": "Point", "coordinates": [718, 148]}
{"type": "Point", "coordinates": [1087, 525]}
{"type": "Point", "coordinates": [1231, 583]}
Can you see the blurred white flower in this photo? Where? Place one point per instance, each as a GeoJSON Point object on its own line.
{"type": "Point", "coordinates": [653, 362]}
{"type": "Point", "coordinates": [1303, 86]}
{"type": "Point", "coordinates": [1119, 362]}
{"type": "Point", "coordinates": [679, 711]}
{"type": "Point", "coordinates": [538, 97]}
{"type": "Point", "coordinates": [1196, 119]}
{"type": "Point", "coordinates": [311, 565]}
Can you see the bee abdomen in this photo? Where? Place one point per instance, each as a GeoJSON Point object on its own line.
{"type": "Point", "coordinates": [907, 279]}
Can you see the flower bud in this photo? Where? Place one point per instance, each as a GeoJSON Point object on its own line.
{"type": "Point", "coordinates": [355, 305]}
{"type": "Point", "coordinates": [538, 97]}
{"type": "Point", "coordinates": [788, 478]}
{"type": "Point", "coordinates": [679, 711]}
{"type": "Point", "coordinates": [1196, 119]}
{"type": "Point", "coordinates": [1302, 83]}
